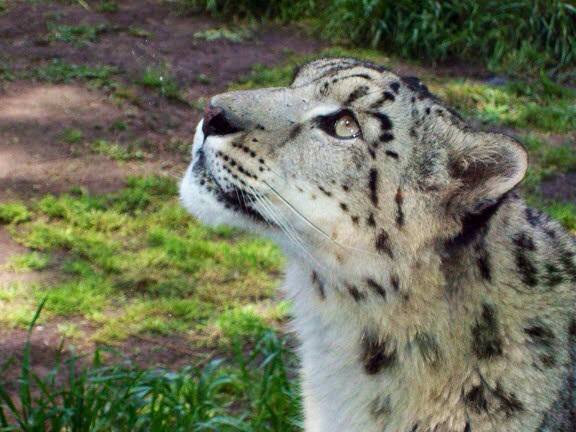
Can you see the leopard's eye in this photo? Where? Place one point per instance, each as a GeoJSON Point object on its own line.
{"type": "Point", "coordinates": [346, 127]}
{"type": "Point", "coordinates": [341, 125]}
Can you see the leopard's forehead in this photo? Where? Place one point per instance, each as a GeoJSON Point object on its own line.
{"type": "Point", "coordinates": [336, 68]}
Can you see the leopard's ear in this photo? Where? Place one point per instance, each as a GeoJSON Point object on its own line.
{"type": "Point", "coordinates": [484, 166]}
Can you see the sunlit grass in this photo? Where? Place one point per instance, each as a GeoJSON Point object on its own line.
{"type": "Point", "coordinates": [134, 262]}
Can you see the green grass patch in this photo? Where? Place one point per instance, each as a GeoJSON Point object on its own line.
{"type": "Point", "coordinates": [107, 6]}
{"type": "Point", "coordinates": [512, 106]}
{"type": "Point", "coordinates": [72, 136]}
{"type": "Point", "coordinates": [115, 151]}
{"type": "Point", "coordinates": [565, 213]}
{"type": "Point", "coordinates": [160, 80]}
{"type": "Point", "coordinates": [28, 262]}
{"type": "Point", "coordinates": [79, 35]}
{"type": "Point", "coordinates": [236, 35]}
{"type": "Point", "coordinates": [59, 71]}
{"type": "Point", "coordinates": [13, 213]}
{"type": "Point", "coordinates": [135, 262]}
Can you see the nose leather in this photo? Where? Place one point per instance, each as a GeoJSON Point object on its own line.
{"type": "Point", "coordinates": [216, 122]}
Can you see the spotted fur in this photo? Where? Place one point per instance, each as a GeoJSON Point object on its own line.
{"type": "Point", "coordinates": [427, 296]}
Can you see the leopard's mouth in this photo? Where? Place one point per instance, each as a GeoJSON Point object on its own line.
{"type": "Point", "coordinates": [233, 198]}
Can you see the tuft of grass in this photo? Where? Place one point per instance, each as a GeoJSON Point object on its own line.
{"type": "Point", "coordinates": [565, 213]}
{"type": "Point", "coordinates": [139, 32]}
{"type": "Point", "coordinates": [27, 262]}
{"type": "Point", "coordinates": [72, 135]}
{"type": "Point", "coordinates": [250, 392]}
{"type": "Point", "coordinates": [162, 81]}
{"type": "Point", "coordinates": [59, 71]}
{"type": "Point", "coordinates": [79, 35]}
{"type": "Point", "coordinates": [117, 152]}
{"type": "Point", "coordinates": [107, 6]}
{"type": "Point", "coordinates": [235, 35]}
{"type": "Point", "coordinates": [13, 213]}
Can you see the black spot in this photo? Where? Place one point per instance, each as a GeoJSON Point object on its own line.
{"type": "Point", "coordinates": [567, 260]}
{"type": "Point", "coordinates": [486, 334]}
{"type": "Point", "coordinates": [355, 293]}
{"type": "Point", "coordinates": [324, 191]}
{"type": "Point", "coordinates": [392, 154]}
{"type": "Point", "coordinates": [370, 220]}
{"type": "Point", "coordinates": [376, 287]}
{"type": "Point", "coordinates": [429, 348]}
{"type": "Point", "coordinates": [383, 244]}
{"type": "Point", "coordinates": [540, 335]}
{"type": "Point", "coordinates": [295, 131]}
{"type": "Point", "coordinates": [375, 355]}
{"type": "Point", "coordinates": [533, 217]}
{"type": "Point", "coordinates": [357, 94]}
{"type": "Point", "coordinates": [372, 153]}
{"type": "Point", "coordinates": [526, 268]}
{"type": "Point", "coordinates": [524, 241]}
{"type": "Point", "coordinates": [553, 275]}
{"type": "Point", "coordinates": [386, 96]}
{"type": "Point", "coordinates": [395, 282]}
{"type": "Point", "coordinates": [399, 199]}
{"type": "Point", "coordinates": [373, 186]}
{"type": "Point", "coordinates": [319, 285]}
{"type": "Point", "coordinates": [385, 122]}
{"type": "Point", "coordinates": [395, 86]}
{"type": "Point", "coordinates": [386, 137]}
{"type": "Point", "coordinates": [414, 84]}
{"type": "Point", "coordinates": [475, 400]}
{"type": "Point", "coordinates": [483, 262]}
{"type": "Point", "coordinates": [467, 428]}
{"type": "Point", "coordinates": [427, 110]}
{"type": "Point", "coordinates": [345, 188]}
{"type": "Point", "coordinates": [355, 219]}
{"type": "Point", "coordinates": [509, 403]}
{"type": "Point", "coordinates": [344, 207]}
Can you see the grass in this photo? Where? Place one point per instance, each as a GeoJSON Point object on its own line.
{"type": "Point", "coordinates": [160, 80]}
{"type": "Point", "coordinates": [251, 391]}
{"type": "Point", "coordinates": [133, 262]}
{"type": "Point", "coordinates": [79, 35]}
{"type": "Point", "coordinates": [235, 35]}
{"type": "Point", "coordinates": [59, 71]}
{"type": "Point", "coordinates": [107, 6]}
{"type": "Point", "coordinates": [72, 135]}
{"type": "Point", "coordinates": [117, 152]}
{"type": "Point", "coordinates": [436, 31]}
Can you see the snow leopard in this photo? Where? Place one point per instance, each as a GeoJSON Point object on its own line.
{"type": "Point", "coordinates": [427, 296]}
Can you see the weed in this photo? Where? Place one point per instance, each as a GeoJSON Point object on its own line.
{"type": "Point", "coordinates": [203, 79]}
{"type": "Point", "coordinates": [58, 71]}
{"type": "Point", "coordinates": [236, 35]}
{"type": "Point", "coordinates": [3, 6]}
{"type": "Point", "coordinates": [117, 152]}
{"type": "Point", "coordinates": [78, 35]}
{"type": "Point", "coordinates": [13, 213]}
{"type": "Point", "coordinates": [107, 6]}
{"type": "Point", "coordinates": [27, 262]}
{"type": "Point", "coordinates": [72, 136]}
{"type": "Point", "coordinates": [565, 213]}
{"type": "Point", "coordinates": [139, 32]}
{"type": "Point", "coordinates": [160, 80]}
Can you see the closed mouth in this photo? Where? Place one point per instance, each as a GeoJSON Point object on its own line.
{"type": "Point", "coordinates": [236, 199]}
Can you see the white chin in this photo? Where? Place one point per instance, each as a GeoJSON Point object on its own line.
{"type": "Point", "coordinates": [201, 203]}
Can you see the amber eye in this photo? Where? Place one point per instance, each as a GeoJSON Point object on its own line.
{"type": "Point", "coordinates": [346, 127]}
